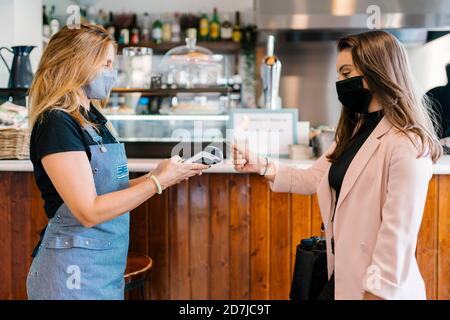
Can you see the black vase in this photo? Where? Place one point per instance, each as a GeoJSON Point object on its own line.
{"type": "Point", "coordinates": [20, 73]}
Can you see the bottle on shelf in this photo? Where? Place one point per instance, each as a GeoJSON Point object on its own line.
{"type": "Point", "coordinates": [191, 33]}
{"type": "Point", "coordinates": [166, 29]}
{"type": "Point", "coordinates": [203, 27]}
{"type": "Point", "coordinates": [83, 16]}
{"type": "Point", "coordinates": [91, 15]}
{"type": "Point", "coordinates": [145, 29]}
{"type": "Point", "coordinates": [142, 106]}
{"type": "Point", "coordinates": [134, 31]}
{"type": "Point", "coordinates": [188, 21]}
{"type": "Point", "coordinates": [45, 23]}
{"type": "Point", "coordinates": [110, 26]}
{"type": "Point", "coordinates": [54, 22]}
{"type": "Point", "coordinates": [237, 30]}
{"type": "Point", "coordinates": [176, 30]}
{"type": "Point", "coordinates": [235, 83]}
{"type": "Point", "coordinates": [52, 12]}
{"type": "Point", "coordinates": [214, 26]}
{"type": "Point", "coordinates": [101, 18]}
{"type": "Point", "coordinates": [226, 29]}
{"type": "Point", "coordinates": [157, 31]}
{"type": "Point", "coordinates": [154, 105]}
{"type": "Point", "coordinates": [124, 35]}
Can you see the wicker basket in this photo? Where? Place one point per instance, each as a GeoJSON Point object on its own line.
{"type": "Point", "coordinates": [14, 143]}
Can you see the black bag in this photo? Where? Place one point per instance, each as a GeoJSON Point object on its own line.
{"type": "Point", "coordinates": [310, 269]}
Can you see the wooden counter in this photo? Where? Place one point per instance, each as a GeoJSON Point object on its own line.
{"type": "Point", "coordinates": [218, 236]}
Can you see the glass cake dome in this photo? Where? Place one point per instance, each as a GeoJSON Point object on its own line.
{"type": "Point", "coordinates": [191, 66]}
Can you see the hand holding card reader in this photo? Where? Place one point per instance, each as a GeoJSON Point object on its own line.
{"type": "Point", "coordinates": [209, 156]}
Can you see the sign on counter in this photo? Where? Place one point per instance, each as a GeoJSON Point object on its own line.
{"type": "Point", "coordinates": [268, 132]}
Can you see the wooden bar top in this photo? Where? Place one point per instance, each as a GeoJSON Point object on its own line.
{"type": "Point", "coordinates": [145, 165]}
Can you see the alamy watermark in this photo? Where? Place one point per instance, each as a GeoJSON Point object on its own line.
{"type": "Point", "coordinates": [73, 281]}
{"type": "Point", "coordinates": [373, 21]}
{"type": "Point", "coordinates": [73, 21]}
{"type": "Point", "coordinates": [264, 141]}
{"type": "Point", "coordinates": [373, 277]}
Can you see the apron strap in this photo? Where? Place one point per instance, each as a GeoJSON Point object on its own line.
{"type": "Point", "coordinates": [95, 137]}
{"type": "Point", "coordinates": [93, 134]}
{"type": "Point", "coordinates": [106, 123]}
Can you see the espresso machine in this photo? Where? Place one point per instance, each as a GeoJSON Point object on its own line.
{"type": "Point", "coordinates": [270, 73]}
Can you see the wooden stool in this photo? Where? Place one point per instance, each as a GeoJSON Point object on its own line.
{"type": "Point", "coordinates": [136, 273]}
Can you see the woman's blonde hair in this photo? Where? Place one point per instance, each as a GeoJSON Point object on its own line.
{"type": "Point", "coordinates": [72, 58]}
{"type": "Point", "coordinates": [382, 60]}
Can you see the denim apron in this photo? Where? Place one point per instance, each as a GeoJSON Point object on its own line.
{"type": "Point", "coordinates": [75, 262]}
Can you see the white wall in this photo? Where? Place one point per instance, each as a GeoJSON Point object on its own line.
{"type": "Point", "coordinates": [7, 37]}
{"type": "Point", "coordinates": [21, 24]}
{"type": "Point", "coordinates": [428, 63]}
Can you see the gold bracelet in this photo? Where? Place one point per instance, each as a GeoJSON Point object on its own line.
{"type": "Point", "coordinates": [156, 182]}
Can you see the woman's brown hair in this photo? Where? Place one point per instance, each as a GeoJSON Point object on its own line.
{"type": "Point", "coordinates": [71, 59]}
{"type": "Point", "coordinates": [382, 60]}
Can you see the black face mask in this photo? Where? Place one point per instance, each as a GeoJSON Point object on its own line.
{"type": "Point", "coordinates": [353, 95]}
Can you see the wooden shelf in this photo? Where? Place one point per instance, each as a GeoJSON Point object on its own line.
{"type": "Point", "coordinates": [224, 47]}
{"type": "Point", "coordinates": [169, 92]}
{"type": "Point", "coordinates": [13, 90]}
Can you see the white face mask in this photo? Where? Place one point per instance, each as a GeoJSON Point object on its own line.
{"type": "Point", "coordinates": [101, 85]}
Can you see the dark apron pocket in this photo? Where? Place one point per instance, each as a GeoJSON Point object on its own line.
{"type": "Point", "coordinates": [74, 250]}
{"type": "Point", "coordinates": [67, 266]}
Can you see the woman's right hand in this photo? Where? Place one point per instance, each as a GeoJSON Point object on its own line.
{"type": "Point", "coordinates": [174, 170]}
{"type": "Point", "coordinates": [246, 161]}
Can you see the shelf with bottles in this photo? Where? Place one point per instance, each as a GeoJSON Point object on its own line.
{"type": "Point", "coordinates": [160, 32]}
{"type": "Point", "coordinates": [165, 31]}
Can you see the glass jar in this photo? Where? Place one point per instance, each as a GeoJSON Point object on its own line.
{"type": "Point", "coordinates": [135, 67]}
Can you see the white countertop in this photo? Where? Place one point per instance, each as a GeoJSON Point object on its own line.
{"type": "Point", "coordinates": [145, 165]}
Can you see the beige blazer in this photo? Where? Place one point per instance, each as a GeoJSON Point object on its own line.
{"type": "Point", "coordinates": [377, 217]}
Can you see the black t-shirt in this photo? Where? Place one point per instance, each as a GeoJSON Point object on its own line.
{"type": "Point", "coordinates": [59, 132]}
{"type": "Point", "coordinates": [339, 168]}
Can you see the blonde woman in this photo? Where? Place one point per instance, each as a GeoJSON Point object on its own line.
{"type": "Point", "coordinates": [81, 170]}
{"type": "Point", "coordinates": [372, 183]}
